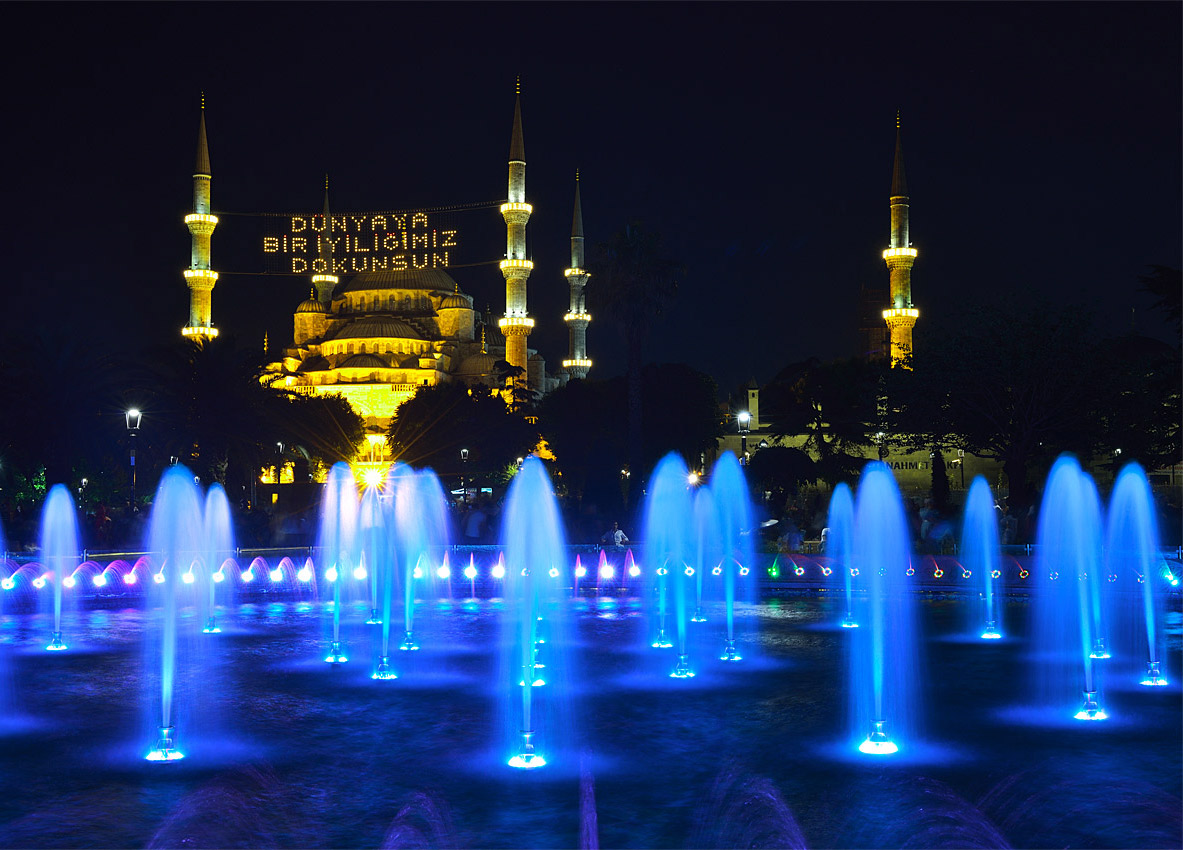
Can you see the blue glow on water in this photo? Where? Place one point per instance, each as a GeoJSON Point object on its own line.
{"type": "Point", "coordinates": [60, 552]}
{"type": "Point", "coordinates": [840, 544]}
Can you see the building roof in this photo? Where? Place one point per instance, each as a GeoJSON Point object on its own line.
{"type": "Point", "coordinates": [434, 279]}
{"type": "Point", "coordinates": [311, 305]}
{"type": "Point", "coordinates": [517, 147]}
{"type": "Point", "coordinates": [456, 301]}
{"type": "Point", "coordinates": [202, 165]}
{"type": "Point", "coordinates": [364, 361]}
{"type": "Point", "coordinates": [577, 216]}
{"type": "Point", "coordinates": [377, 327]}
{"type": "Point", "coordinates": [477, 364]}
{"type": "Point", "coordinates": [899, 182]}
{"type": "Point", "coordinates": [315, 363]}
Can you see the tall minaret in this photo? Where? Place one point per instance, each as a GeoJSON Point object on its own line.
{"type": "Point", "coordinates": [324, 280]}
{"type": "Point", "coordinates": [901, 316]}
{"type": "Point", "coordinates": [577, 318]}
{"type": "Point", "coordinates": [201, 224]}
{"type": "Point", "coordinates": [516, 325]}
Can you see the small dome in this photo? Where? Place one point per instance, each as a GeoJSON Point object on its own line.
{"type": "Point", "coordinates": [311, 305]}
{"type": "Point", "coordinates": [378, 328]}
{"type": "Point", "coordinates": [456, 301]}
{"type": "Point", "coordinates": [477, 364]}
{"type": "Point", "coordinates": [436, 279]}
{"type": "Point", "coordinates": [315, 363]}
{"type": "Point", "coordinates": [535, 357]}
{"type": "Point", "coordinates": [364, 361]}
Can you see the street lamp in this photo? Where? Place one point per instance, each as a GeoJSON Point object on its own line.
{"type": "Point", "coordinates": [463, 479]}
{"type": "Point", "coordinates": [744, 419]}
{"type": "Point", "coordinates": [132, 417]}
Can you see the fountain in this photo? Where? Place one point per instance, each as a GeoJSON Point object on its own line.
{"type": "Point", "coordinates": [175, 536]}
{"type": "Point", "coordinates": [1066, 607]}
{"type": "Point", "coordinates": [980, 550]}
{"type": "Point", "coordinates": [730, 492]}
{"type": "Point", "coordinates": [840, 544]}
{"type": "Point", "coordinates": [707, 551]}
{"type": "Point", "coordinates": [669, 544]}
{"type": "Point", "coordinates": [59, 551]}
{"type": "Point", "coordinates": [219, 545]}
{"type": "Point", "coordinates": [1131, 552]}
{"type": "Point", "coordinates": [337, 544]}
{"type": "Point", "coordinates": [421, 526]}
{"type": "Point", "coordinates": [533, 539]}
{"type": "Point", "coordinates": [884, 664]}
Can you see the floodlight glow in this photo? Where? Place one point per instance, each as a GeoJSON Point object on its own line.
{"type": "Point", "coordinates": [444, 571]}
{"type": "Point", "coordinates": [130, 578]}
{"type": "Point", "coordinates": [219, 576]}
{"type": "Point", "coordinates": [68, 581]}
{"type": "Point", "coordinates": [498, 571]}
{"type": "Point", "coordinates": [359, 572]}
{"type": "Point", "coordinates": [1099, 649]}
{"type": "Point", "coordinates": [304, 574]}
{"type": "Point", "coordinates": [995, 573]}
{"type": "Point", "coordinates": [877, 743]}
{"type": "Point", "coordinates": [39, 582]}
{"type": "Point", "coordinates": [580, 571]}
{"type": "Point", "coordinates": [335, 655]}
{"type": "Point", "coordinates": [826, 571]}
{"type": "Point", "coordinates": [729, 653]}
{"type": "Point", "coordinates": [633, 571]}
{"type": "Point", "coordinates": [717, 571]}
{"type": "Point", "coordinates": [331, 574]}
{"type": "Point", "coordinates": [608, 571]}
{"type": "Point", "coordinates": [164, 750]}
{"type": "Point", "coordinates": [156, 577]}
{"type": "Point", "coordinates": [56, 644]}
{"type": "Point", "coordinates": [249, 575]}
{"type": "Point", "coordinates": [8, 584]}
{"type": "Point", "coordinates": [417, 572]}
{"type": "Point", "coordinates": [911, 571]}
{"type": "Point", "coordinates": [470, 572]}
{"type": "Point", "coordinates": [991, 633]}
{"type": "Point", "coordinates": [661, 571]}
{"type": "Point", "coordinates": [854, 572]}
{"type": "Point", "coordinates": [692, 478]}
{"type": "Point", "coordinates": [1153, 676]}
{"type": "Point", "coordinates": [743, 571]}
{"type": "Point", "coordinates": [276, 574]}
{"type": "Point", "coordinates": [682, 670]}
{"type": "Point", "coordinates": [100, 580]}
{"type": "Point", "coordinates": [662, 641]}
{"type": "Point", "coordinates": [1023, 573]}
{"type": "Point", "coordinates": [187, 577]}
{"type": "Point", "coordinates": [1090, 711]}
{"type": "Point", "coordinates": [799, 571]}
{"type": "Point", "coordinates": [537, 683]}
{"type": "Point", "coordinates": [938, 572]}
{"type": "Point", "coordinates": [384, 671]}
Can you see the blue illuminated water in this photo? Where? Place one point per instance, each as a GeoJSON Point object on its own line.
{"type": "Point", "coordinates": [670, 557]}
{"type": "Point", "coordinates": [980, 555]}
{"type": "Point", "coordinates": [60, 552]}
{"type": "Point", "coordinates": [840, 546]}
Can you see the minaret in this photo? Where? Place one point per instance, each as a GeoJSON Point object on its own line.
{"type": "Point", "coordinates": [577, 318]}
{"type": "Point", "coordinates": [901, 316]}
{"type": "Point", "coordinates": [324, 280]}
{"type": "Point", "coordinates": [516, 325]}
{"type": "Point", "coordinates": [201, 224]}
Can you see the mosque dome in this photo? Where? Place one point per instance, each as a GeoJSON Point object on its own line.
{"type": "Point", "coordinates": [477, 364]}
{"type": "Point", "coordinates": [315, 363]}
{"type": "Point", "coordinates": [378, 328]}
{"type": "Point", "coordinates": [364, 361]}
{"type": "Point", "coordinates": [429, 279]}
{"type": "Point", "coordinates": [311, 305]}
{"type": "Point", "coordinates": [456, 301]}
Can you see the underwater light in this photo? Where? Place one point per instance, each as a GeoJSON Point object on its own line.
{"type": "Point", "coordinates": [331, 574]}
{"type": "Point", "coordinates": [966, 573]}
{"type": "Point", "coordinates": [661, 571]}
{"type": "Point", "coordinates": [911, 571]}
{"type": "Point", "coordinates": [56, 644]}
{"type": "Point", "coordinates": [304, 574]}
{"type": "Point", "coordinates": [156, 577]}
{"type": "Point", "coordinates": [99, 580]}
{"type": "Point", "coordinates": [995, 573]}
{"type": "Point", "coordinates": [608, 571]}
{"type": "Point", "coordinates": [826, 571]}
{"type": "Point", "coordinates": [717, 571]}
{"type": "Point", "coordinates": [1153, 676]}
{"type": "Point", "coordinates": [408, 644]}
{"type": "Point", "coordinates": [689, 571]}
{"type": "Point", "coordinates": [470, 572]}
{"type": "Point", "coordinates": [335, 655]}
{"type": "Point", "coordinates": [743, 571]}
{"type": "Point", "coordinates": [68, 581]}
{"type": "Point", "coordinates": [554, 572]}
{"type": "Point", "coordinates": [444, 571]}
{"type": "Point", "coordinates": [1090, 711]}
{"type": "Point", "coordinates": [164, 750]}
{"type": "Point", "coordinates": [698, 617]}
{"type": "Point", "coordinates": [249, 575]}
{"type": "Point", "coordinates": [187, 577]}
{"type": "Point", "coordinates": [211, 627]}
{"type": "Point", "coordinates": [991, 632]}
{"type": "Point", "coordinates": [1023, 573]}
{"type": "Point", "coordinates": [580, 571]}
{"type": "Point", "coordinates": [1141, 578]}
{"type": "Point", "coordinates": [384, 671]}
{"type": "Point", "coordinates": [527, 759]}
{"type": "Point", "coordinates": [219, 576]}
{"type": "Point", "coordinates": [877, 743]}
{"type": "Point", "coordinates": [39, 582]}
{"type": "Point", "coordinates": [938, 572]}
{"type": "Point", "coordinates": [8, 584]}
{"type": "Point", "coordinates": [130, 578]}
{"type": "Point", "coordinates": [1053, 575]}
{"type": "Point", "coordinates": [417, 572]}
{"type": "Point", "coordinates": [682, 670]}
{"type": "Point", "coordinates": [799, 571]}
{"type": "Point", "coordinates": [848, 622]}
{"type": "Point", "coordinates": [276, 574]}
{"type": "Point", "coordinates": [1099, 649]}
{"type": "Point", "coordinates": [662, 641]}
{"type": "Point", "coordinates": [729, 653]}
{"type": "Point", "coordinates": [633, 571]}
{"type": "Point", "coordinates": [359, 572]}
{"type": "Point", "coordinates": [1112, 577]}
{"type": "Point", "coordinates": [498, 571]}
{"type": "Point", "coordinates": [774, 571]}
{"type": "Point", "coordinates": [537, 683]}
{"type": "Point", "coordinates": [854, 572]}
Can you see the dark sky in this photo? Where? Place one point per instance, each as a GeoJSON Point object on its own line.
{"type": "Point", "coordinates": [1042, 145]}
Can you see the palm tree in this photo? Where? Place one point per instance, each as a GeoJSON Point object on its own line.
{"type": "Point", "coordinates": [636, 281]}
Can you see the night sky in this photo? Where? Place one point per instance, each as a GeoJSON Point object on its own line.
{"type": "Point", "coordinates": [1042, 145]}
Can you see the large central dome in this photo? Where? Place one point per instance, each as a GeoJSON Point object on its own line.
{"type": "Point", "coordinates": [429, 279]}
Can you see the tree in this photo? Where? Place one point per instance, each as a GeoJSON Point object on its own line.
{"type": "Point", "coordinates": [781, 470]}
{"type": "Point", "coordinates": [1166, 284]}
{"type": "Point", "coordinates": [636, 280]}
{"type": "Point", "coordinates": [431, 427]}
{"type": "Point", "coordinates": [321, 429]}
{"type": "Point", "coordinates": [833, 405]}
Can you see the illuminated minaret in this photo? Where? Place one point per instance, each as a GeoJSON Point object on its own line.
{"type": "Point", "coordinates": [201, 224]}
{"type": "Point", "coordinates": [577, 318]}
{"type": "Point", "coordinates": [515, 324]}
{"type": "Point", "coordinates": [324, 280]}
{"type": "Point", "coordinates": [901, 316]}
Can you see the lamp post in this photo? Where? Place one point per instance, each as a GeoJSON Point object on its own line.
{"type": "Point", "coordinates": [961, 463]}
{"type": "Point", "coordinates": [744, 419]}
{"type": "Point", "coordinates": [132, 418]}
{"type": "Point", "coordinates": [463, 477]}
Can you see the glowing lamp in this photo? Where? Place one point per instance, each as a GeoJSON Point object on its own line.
{"type": "Point", "coordinates": [8, 584]}
{"type": "Point", "coordinates": [1023, 573]}
{"type": "Point", "coordinates": [39, 582]}
{"type": "Point", "coordinates": [305, 574]}
{"type": "Point", "coordinates": [470, 572]}
{"type": "Point", "coordinates": [1153, 676]}
{"type": "Point", "coordinates": [100, 580]}
{"type": "Point", "coordinates": [276, 574]}
{"type": "Point", "coordinates": [743, 571]}
{"type": "Point", "coordinates": [359, 572]}
{"type": "Point", "coordinates": [553, 572]}
{"type": "Point", "coordinates": [68, 581]}
{"type": "Point", "coordinates": [444, 571]}
{"type": "Point", "coordinates": [991, 632]}
{"type": "Point", "coordinates": [498, 571]}
{"type": "Point", "coordinates": [249, 575]}
{"type": "Point", "coordinates": [219, 576]}
{"type": "Point", "coordinates": [1091, 710]}
{"type": "Point", "coordinates": [826, 571]}
{"type": "Point", "coordinates": [608, 571]}
{"type": "Point", "coordinates": [633, 571]}
{"type": "Point", "coordinates": [661, 571]}
{"type": "Point", "coordinates": [331, 574]}
{"type": "Point", "coordinates": [717, 571]}
{"type": "Point", "coordinates": [580, 571]}
{"type": "Point", "coordinates": [799, 571]}
{"type": "Point", "coordinates": [130, 578]}
{"type": "Point", "coordinates": [938, 572]}
{"type": "Point", "coordinates": [187, 577]}
{"type": "Point", "coordinates": [877, 743]}
{"type": "Point", "coordinates": [415, 573]}
{"type": "Point", "coordinates": [996, 574]}
{"type": "Point", "coordinates": [689, 571]}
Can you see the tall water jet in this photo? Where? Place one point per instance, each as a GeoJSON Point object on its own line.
{"type": "Point", "coordinates": [218, 537]}
{"type": "Point", "coordinates": [669, 551]}
{"type": "Point", "coordinates": [730, 492]}
{"type": "Point", "coordinates": [337, 543]}
{"type": "Point", "coordinates": [884, 656]}
{"type": "Point", "coordinates": [59, 550]}
{"type": "Point", "coordinates": [980, 550]}
{"type": "Point", "coordinates": [386, 572]}
{"type": "Point", "coordinates": [421, 523]}
{"type": "Point", "coordinates": [374, 541]}
{"type": "Point", "coordinates": [175, 537]}
{"type": "Point", "coordinates": [1067, 567]}
{"type": "Point", "coordinates": [1131, 551]}
{"type": "Point", "coordinates": [840, 545]}
{"type": "Point", "coordinates": [533, 537]}
{"type": "Point", "coordinates": [707, 548]}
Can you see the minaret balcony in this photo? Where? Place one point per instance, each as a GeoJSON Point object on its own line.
{"type": "Point", "coordinates": [577, 317]}
{"type": "Point", "coordinates": [899, 252]}
{"type": "Point", "coordinates": [516, 207]}
{"type": "Point", "coordinates": [515, 322]}
{"type": "Point", "coordinates": [201, 224]}
{"type": "Point", "coordinates": [576, 272]}
{"type": "Point", "coordinates": [326, 278]}
{"type": "Point", "coordinates": [903, 313]}
{"type": "Point", "coordinates": [577, 364]}
{"type": "Point", "coordinates": [517, 265]}
{"type": "Point", "coordinates": [200, 333]}
{"type": "Point", "coordinates": [200, 278]}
